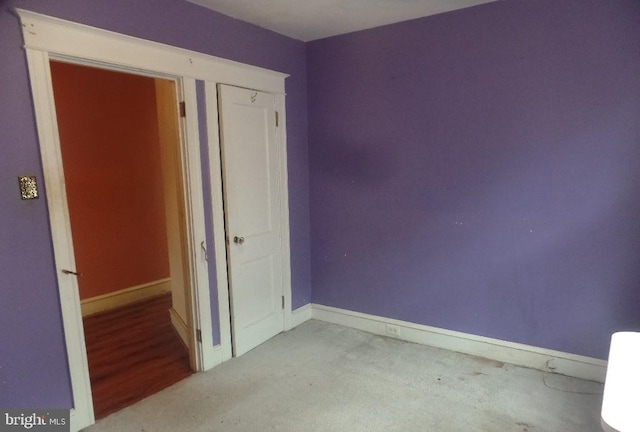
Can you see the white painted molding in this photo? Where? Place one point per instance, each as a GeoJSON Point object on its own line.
{"type": "Point", "coordinates": [124, 297]}
{"type": "Point", "coordinates": [199, 304]}
{"type": "Point", "coordinates": [494, 349]}
{"type": "Point", "coordinates": [301, 315]}
{"type": "Point", "coordinates": [285, 229]}
{"type": "Point", "coordinates": [180, 326]}
{"type": "Point", "coordinates": [69, 40]}
{"type": "Point", "coordinates": [82, 414]}
{"type": "Point", "coordinates": [217, 209]}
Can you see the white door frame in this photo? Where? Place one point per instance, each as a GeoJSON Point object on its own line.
{"type": "Point", "coordinates": [49, 38]}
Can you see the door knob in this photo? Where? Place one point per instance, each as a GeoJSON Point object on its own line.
{"type": "Point", "coordinates": [238, 240]}
{"type": "Point", "coordinates": [69, 272]}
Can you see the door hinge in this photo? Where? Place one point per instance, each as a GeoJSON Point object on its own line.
{"type": "Point", "coordinates": [199, 335]}
{"type": "Point", "coordinates": [282, 302]}
{"type": "Point", "coordinates": [277, 118]}
{"type": "Point", "coordinates": [183, 109]}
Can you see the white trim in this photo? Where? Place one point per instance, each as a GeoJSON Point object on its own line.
{"type": "Point", "coordinates": [281, 138]}
{"type": "Point", "coordinates": [508, 352]}
{"type": "Point", "coordinates": [196, 231]}
{"type": "Point", "coordinates": [180, 326]}
{"type": "Point", "coordinates": [217, 210]}
{"type": "Point", "coordinates": [301, 315]}
{"type": "Point", "coordinates": [123, 297]}
{"type": "Point", "coordinates": [42, 90]}
{"type": "Point", "coordinates": [66, 38]}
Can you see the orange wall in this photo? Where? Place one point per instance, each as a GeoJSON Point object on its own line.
{"type": "Point", "coordinates": [110, 146]}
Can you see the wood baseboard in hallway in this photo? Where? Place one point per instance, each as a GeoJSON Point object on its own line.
{"type": "Point", "coordinates": [133, 352]}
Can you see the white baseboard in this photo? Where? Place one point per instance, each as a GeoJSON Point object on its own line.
{"type": "Point", "coordinates": [124, 297]}
{"type": "Point", "coordinates": [181, 327]}
{"type": "Point", "coordinates": [508, 352]}
{"type": "Point", "coordinates": [301, 315]}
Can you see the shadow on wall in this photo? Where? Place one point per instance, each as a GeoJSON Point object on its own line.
{"type": "Point", "coordinates": [355, 164]}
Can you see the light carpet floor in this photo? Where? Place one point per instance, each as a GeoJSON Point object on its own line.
{"type": "Point", "coordinates": [324, 377]}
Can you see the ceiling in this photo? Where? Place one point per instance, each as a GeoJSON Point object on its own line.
{"type": "Point", "coordinates": [308, 20]}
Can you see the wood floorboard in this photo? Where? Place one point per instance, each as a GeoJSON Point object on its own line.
{"type": "Point", "coordinates": [133, 352]}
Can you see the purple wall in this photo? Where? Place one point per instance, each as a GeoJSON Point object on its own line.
{"type": "Point", "coordinates": [475, 171]}
{"type": "Point", "coordinates": [478, 171]}
{"type": "Point", "coordinates": [33, 370]}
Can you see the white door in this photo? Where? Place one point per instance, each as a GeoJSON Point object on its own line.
{"type": "Point", "coordinates": [252, 210]}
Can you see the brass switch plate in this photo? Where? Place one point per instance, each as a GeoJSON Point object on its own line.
{"type": "Point", "coordinates": [28, 187]}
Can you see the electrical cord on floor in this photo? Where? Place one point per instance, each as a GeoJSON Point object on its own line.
{"type": "Point", "coordinates": [544, 381]}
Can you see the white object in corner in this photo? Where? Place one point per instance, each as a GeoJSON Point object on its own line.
{"type": "Point", "coordinates": [620, 401]}
{"type": "Point", "coordinates": [508, 352]}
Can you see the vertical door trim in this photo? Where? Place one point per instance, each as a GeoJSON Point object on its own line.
{"type": "Point", "coordinates": [82, 414]}
{"type": "Point", "coordinates": [217, 211]}
{"type": "Point", "coordinates": [194, 203]}
{"type": "Point", "coordinates": [281, 139]}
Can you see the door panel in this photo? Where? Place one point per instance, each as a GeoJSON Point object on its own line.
{"type": "Point", "coordinates": [252, 201]}
{"type": "Point", "coordinates": [253, 275]}
{"type": "Point", "coordinates": [252, 192]}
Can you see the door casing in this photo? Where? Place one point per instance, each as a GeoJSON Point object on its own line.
{"type": "Point", "coordinates": [48, 38]}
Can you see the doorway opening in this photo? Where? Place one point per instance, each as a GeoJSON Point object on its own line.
{"type": "Point", "coordinates": [120, 144]}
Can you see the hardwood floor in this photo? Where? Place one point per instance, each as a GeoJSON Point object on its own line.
{"type": "Point", "coordinates": [133, 352]}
